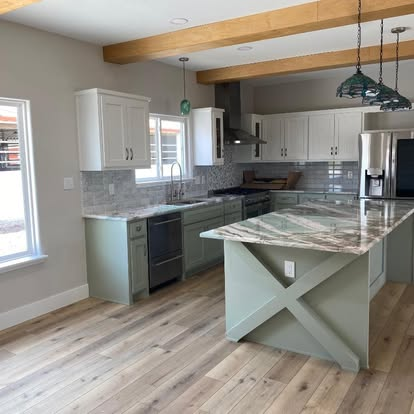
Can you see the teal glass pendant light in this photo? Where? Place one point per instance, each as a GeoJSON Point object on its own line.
{"type": "Point", "coordinates": [358, 84]}
{"type": "Point", "coordinates": [185, 105]}
{"type": "Point", "coordinates": [383, 94]}
{"type": "Point", "coordinates": [397, 102]}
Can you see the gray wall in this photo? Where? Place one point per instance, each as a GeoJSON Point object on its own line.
{"type": "Point", "coordinates": [47, 69]}
{"type": "Point", "coordinates": [319, 94]}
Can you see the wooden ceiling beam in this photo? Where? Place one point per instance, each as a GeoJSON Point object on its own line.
{"type": "Point", "coordinates": [10, 5]}
{"type": "Point", "coordinates": [308, 17]}
{"type": "Point", "coordinates": [300, 64]}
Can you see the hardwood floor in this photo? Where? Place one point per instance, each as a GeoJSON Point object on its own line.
{"type": "Point", "coordinates": [167, 354]}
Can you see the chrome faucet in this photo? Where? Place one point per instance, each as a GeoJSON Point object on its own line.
{"type": "Point", "coordinates": [180, 191]}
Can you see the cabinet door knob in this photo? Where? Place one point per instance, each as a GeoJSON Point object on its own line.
{"type": "Point", "coordinates": [127, 154]}
{"type": "Point", "coordinates": [138, 228]}
{"type": "Point", "coordinates": [132, 154]}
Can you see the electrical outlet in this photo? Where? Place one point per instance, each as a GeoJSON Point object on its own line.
{"type": "Point", "coordinates": [290, 269]}
{"type": "Point", "coordinates": [350, 175]}
{"type": "Point", "coordinates": [68, 183]}
{"type": "Point", "coordinates": [111, 189]}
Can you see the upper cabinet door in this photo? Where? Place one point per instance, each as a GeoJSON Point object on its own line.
{"type": "Point", "coordinates": [321, 137]}
{"type": "Point", "coordinates": [116, 147]}
{"type": "Point", "coordinates": [257, 131]}
{"type": "Point", "coordinates": [296, 138]}
{"type": "Point", "coordinates": [218, 138]}
{"type": "Point", "coordinates": [137, 121]}
{"type": "Point", "coordinates": [273, 134]}
{"type": "Point", "coordinates": [348, 126]}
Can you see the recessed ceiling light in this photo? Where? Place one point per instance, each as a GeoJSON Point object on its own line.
{"type": "Point", "coordinates": [244, 48]}
{"type": "Point", "coordinates": [179, 21]}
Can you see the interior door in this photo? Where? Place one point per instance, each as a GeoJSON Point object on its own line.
{"type": "Point", "coordinates": [115, 141]}
{"type": "Point", "coordinates": [348, 126]}
{"type": "Point", "coordinates": [137, 120]}
{"type": "Point", "coordinates": [296, 138]}
{"type": "Point", "coordinates": [273, 134]}
{"type": "Point", "coordinates": [321, 137]}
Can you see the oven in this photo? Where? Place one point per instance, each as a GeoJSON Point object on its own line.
{"type": "Point", "coordinates": [165, 246]}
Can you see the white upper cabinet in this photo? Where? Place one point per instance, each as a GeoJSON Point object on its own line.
{"type": "Point", "coordinates": [296, 138]}
{"type": "Point", "coordinates": [321, 137]}
{"type": "Point", "coordinates": [208, 136]}
{"type": "Point", "coordinates": [273, 133]}
{"type": "Point", "coordinates": [113, 130]}
{"type": "Point", "coordinates": [334, 136]}
{"type": "Point", "coordinates": [348, 126]}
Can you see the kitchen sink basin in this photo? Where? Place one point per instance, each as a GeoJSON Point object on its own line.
{"type": "Point", "coordinates": [184, 202]}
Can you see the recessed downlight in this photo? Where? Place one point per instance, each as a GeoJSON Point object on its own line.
{"type": "Point", "coordinates": [244, 48]}
{"type": "Point", "coordinates": [179, 21]}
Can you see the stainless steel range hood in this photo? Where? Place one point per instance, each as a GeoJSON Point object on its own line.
{"type": "Point", "coordinates": [228, 98]}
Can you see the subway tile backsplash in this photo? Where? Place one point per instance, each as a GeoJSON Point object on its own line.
{"type": "Point", "coordinates": [317, 176]}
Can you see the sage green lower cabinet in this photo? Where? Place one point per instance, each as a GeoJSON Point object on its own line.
{"type": "Point", "coordinates": [138, 254]}
{"type": "Point", "coordinates": [233, 218]}
{"type": "Point", "coordinates": [117, 259]}
{"type": "Point", "coordinates": [200, 254]}
{"type": "Point", "coordinates": [193, 247]}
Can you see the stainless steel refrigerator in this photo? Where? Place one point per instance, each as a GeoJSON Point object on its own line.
{"type": "Point", "coordinates": [387, 164]}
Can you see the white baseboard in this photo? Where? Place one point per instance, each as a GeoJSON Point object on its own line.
{"type": "Point", "coordinates": [35, 309]}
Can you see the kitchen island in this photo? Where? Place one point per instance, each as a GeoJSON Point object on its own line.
{"type": "Point", "coordinates": [338, 250]}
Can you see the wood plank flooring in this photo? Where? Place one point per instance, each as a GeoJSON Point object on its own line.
{"type": "Point", "coordinates": [167, 354]}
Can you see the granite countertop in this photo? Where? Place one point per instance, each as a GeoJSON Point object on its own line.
{"type": "Point", "coordinates": [316, 192]}
{"type": "Point", "coordinates": [324, 225]}
{"type": "Point", "coordinates": [158, 209]}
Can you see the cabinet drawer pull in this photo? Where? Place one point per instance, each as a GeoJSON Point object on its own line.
{"type": "Point", "coordinates": [127, 154]}
{"type": "Point", "coordinates": [331, 150]}
{"type": "Point", "coordinates": [145, 249]}
{"type": "Point", "coordinates": [169, 260]}
{"type": "Point", "coordinates": [132, 154]}
{"type": "Point", "coordinates": [167, 221]}
{"type": "Point", "coordinates": [285, 152]}
{"type": "Point", "coordinates": [336, 150]}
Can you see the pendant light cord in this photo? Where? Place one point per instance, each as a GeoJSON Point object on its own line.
{"type": "Point", "coordinates": [380, 80]}
{"type": "Point", "coordinates": [397, 61]}
{"type": "Point", "coordinates": [359, 37]}
{"type": "Point", "coordinates": [184, 78]}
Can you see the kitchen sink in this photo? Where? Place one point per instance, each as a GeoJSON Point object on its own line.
{"type": "Point", "coordinates": [184, 202]}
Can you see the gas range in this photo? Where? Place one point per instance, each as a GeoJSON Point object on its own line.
{"type": "Point", "coordinates": [255, 202]}
{"type": "Point", "coordinates": [251, 196]}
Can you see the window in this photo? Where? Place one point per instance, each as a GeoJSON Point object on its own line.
{"type": "Point", "coordinates": [169, 143]}
{"type": "Point", "coordinates": [18, 235]}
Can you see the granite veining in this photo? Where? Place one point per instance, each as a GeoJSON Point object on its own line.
{"type": "Point", "coordinates": [331, 226]}
{"type": "Point", "coordinates": [131, 214]}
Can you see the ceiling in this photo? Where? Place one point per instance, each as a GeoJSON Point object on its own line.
{"type": "Point", "coordinates": [105, 22]}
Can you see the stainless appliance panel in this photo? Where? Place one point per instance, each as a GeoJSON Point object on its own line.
{"type": "Point", "coordinates": [165, 244]}
{"type": "Point", "coordinates": [402, 165]}
{"type": "Point", "coordinates": [375, 166]}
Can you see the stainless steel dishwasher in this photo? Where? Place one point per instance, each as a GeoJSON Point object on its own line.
{"type": "Point", "coordinates": [165, 244]}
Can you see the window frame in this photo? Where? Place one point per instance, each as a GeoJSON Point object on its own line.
{"type": "Point", "coordinates": [34, 250]}
{"type": "Point", "coordinates": [186, 166]}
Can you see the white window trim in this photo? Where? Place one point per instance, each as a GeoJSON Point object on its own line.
{"type": "Point", "coordinates": [34, 253]}
{"type": "Point", "coordinates": [188, 167]}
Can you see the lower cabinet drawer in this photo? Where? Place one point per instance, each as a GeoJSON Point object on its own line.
{"type": "Point", "coordinates": [285, 198]}
{"type": "Point", "coordinates": [231, 207]}
{"type": "Point", "coordinates": [171, 266]}
{"type": "Point", "coordinates": [232, 218]}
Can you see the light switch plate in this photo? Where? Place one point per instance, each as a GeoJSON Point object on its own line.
{"type": "Point", "coordinates": [111, 189]}
{"type": "Point", "coordinates": [350, 175]}
{"type": "Point", "coordinates": [68, 183]}
{"type": "Point", "coordinates": [290, 269]}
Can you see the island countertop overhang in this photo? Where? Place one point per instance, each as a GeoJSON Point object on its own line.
{"type": "Point", "coordinates": [331, 226]}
